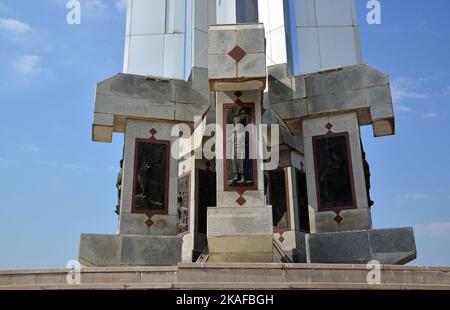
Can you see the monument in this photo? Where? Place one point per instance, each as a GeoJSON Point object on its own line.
{"type": "Point", "coordinates": [293, 65]}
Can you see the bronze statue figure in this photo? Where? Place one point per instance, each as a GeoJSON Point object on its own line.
{"type": "Point", "coordinates": [119, 187]}
{"type": "Point", "coordinates": [366, 174]}
{"type": "Point", "coordinates": [240, 162]}
{"type": "Point", "coordinates": [150, 177]}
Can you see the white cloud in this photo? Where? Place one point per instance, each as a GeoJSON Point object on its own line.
{"type": "Point", "coordinates": [62, 165]}
{"type": "Point", "coordinates": [433, 229]}
{"type": "Point", "coordinates": [4, 8]}
{"type": "Point", "coordinates": [27, 64]}
{"type": "Point", "coordinates": [6, 163]}
{"type": "Point", "coordinates": [404, 89]}
{"type": "Point", "coordinates": [415, 196]}
{"type": "Point", "coordinates": [14, 26]}
{"type": "Point", "coordinates": [402, 108]}
{"type": "Point", "coordinates": [94, 4]}
{"type": "Point", "coordinates": [447, 91]}
{"type": "Point", "coordinates": [121, 4]}
{"type": "Point", "coordinates": [31, 149]}
{"type": "Point", "coordinates": [429, 116]}
{"type": "Point", "coordinates": [46, 163]}
{"type": "Point", "coordinates": [73, 166]}
{"type": "Point", "coordinates": [112, 168]}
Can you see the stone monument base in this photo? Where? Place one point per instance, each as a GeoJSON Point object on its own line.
{"type": "Point", "coordinates": [129, 250]}
{"type": "Point", "coordinates": [388, 246]}
{"type": "Point", "coordinates": [232, 277]}
{"type": "Point", "coordinates": [240, 234]}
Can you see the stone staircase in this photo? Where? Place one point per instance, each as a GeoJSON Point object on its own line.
{"type": "Point", "coordinates": [231, 276]}
{"type": "Point", "coordinates": [279, 254]}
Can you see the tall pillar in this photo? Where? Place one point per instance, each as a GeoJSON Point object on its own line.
{"type": "Point", "coordinates": [271, 14]}
{"type": "Point", "coordinates": [240, 227]}
{"type": "Point", "coordinates": [321, 34]}
{"type": "Point", "coordinates": [237, 11]}
{"type": "Point", "coordinates": [155, 46]}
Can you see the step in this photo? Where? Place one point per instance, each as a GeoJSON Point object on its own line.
{"type": "Point", "coordinates": [231, 276]}
{"type": "Point", "coordinates": [229, 286]}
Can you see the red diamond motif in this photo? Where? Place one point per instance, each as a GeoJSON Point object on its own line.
{"type": "Point", "coordinates": [237, 53]}
{"type": "Point", "coordinates": [281, 239]}
{"type": "Point", "coordinates": [241, 200]}
{"type": "Point", "coordinates": [153, 131]}
{"type": "Point", "coordinates": [338, 219]}
{"type": "Point", "coordinates": [329, 126]}
{"type": "Point", "coordinates": [238, 94]}
{"type": "Point", "coordinates": [149, 222]}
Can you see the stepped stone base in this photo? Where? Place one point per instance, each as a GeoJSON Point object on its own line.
{"type": "Point", "coordinates": [129, 250]}
{"type": "Point", "coordinates": [240, 234]}
{"type": "Point", "coordinates": [232, 276]}
{"type": "Point", "coordinates": [387, 246]}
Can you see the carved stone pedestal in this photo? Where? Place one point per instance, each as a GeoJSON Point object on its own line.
{"type": "Point", "coordinates": [240, 234]}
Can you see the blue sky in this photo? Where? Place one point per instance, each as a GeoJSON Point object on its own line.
{"type": "Point", "coordinates": [55, 183]}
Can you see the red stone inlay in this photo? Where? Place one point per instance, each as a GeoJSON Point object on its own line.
{"type": "Point", "coordinates": [238, 102]}
{"type": "Point", "coordinates": [149, 222]}
{"type": "Point", "coordinates": [153, 132]}
{"type": "Point", "coordinates": [238, 93]}
{"type": "Point", "coordinates": [281, 239]}
{"type": "Point", "coordinates": [338, 219]}
{"type": "Point", "coordinates": [241, 200]}
{"type": "Point", "coordinates": [237, 53]}
{"type": "Point", "coordinates": [329, 126]}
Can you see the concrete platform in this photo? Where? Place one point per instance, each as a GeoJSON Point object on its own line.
{"type": "Point", "coordinates": [129, 250]}
{"type": "Point", "coordinates": [392, 246]}
{"type": "Point", "coordinates": [233, 276]}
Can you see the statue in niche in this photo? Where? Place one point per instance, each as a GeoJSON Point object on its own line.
{"type": "Point", "coordinates": [150, 181]}
{"type": "Point", "coordinates": [276, 190]}
{"type": "Point", "coordinates": [183, 204]}
{"type": "Point", "coordinates": [334, 166]}
{"type": "Point", "coordinates": [241, 164]}
{"type": "Point", "coordinates": [119, 187]}
{"type": "Point", "coordinates": [334, 172]}
{"type": "Point", "coordinates": [366, 174]}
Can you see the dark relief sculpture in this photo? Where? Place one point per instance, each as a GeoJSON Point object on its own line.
{"type": "Point", "coordinates": [206, 197]}
{"type": "Point", "coordinates": [333, 171]}
{"type": "Point", "coordinates": [240, 167]}
{"type": "Point", "coordinates": [302, 193]}
{"type": "Point", "coordinates": [183, 204]}
{"type": "Point", "coordinates": [151, 176]}
{"type": "Point", "coordinates": [119, 187]}
{"type": "Point", "coordinates": [366, 174]}
{"type": "Point", "coordinates": [277, 198]}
